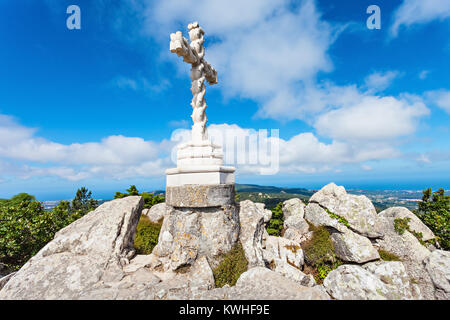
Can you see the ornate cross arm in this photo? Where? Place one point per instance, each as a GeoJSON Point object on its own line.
{"type": "Point", "coordinates": [210, 73]}
{"type": "Point", "coordinates": [180, 46]}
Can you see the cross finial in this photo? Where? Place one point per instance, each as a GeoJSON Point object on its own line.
{"type": "Point", "coordinates": [193, 54]}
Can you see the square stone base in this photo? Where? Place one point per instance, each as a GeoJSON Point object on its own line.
{"type": "Point", "coordinates": [206, 175]}
{"type": "Point", "coordinates": [200, 196]}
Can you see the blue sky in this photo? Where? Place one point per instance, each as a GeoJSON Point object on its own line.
{"type": "Point", "coordinates": [97, 107]}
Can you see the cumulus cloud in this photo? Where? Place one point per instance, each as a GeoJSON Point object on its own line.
{"type": "Point", "coordinates": [379, 81]}
{"type": "Point", "coordinates": [440, 98]}
{"type": "Point", "coordinates": [419, 12]}
{"type": "Point", "coordinates": [372, 118]}
{"type": "Point", "coordinates": [116, 156]}
{"type": "Point", "coordinates": [302, 153]}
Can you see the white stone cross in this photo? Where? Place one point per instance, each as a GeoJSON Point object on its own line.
{"type": "Point", "coordinates": [193, 54]}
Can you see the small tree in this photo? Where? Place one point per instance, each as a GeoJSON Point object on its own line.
{"type": "Point", "coordinates": [149, 198]}
{"type": "Point", "coordinates": [434, 211]}
{"type": "Point", "coordinates": [275, 225]}
{"type": "Point", "coordinates": [83, 201]}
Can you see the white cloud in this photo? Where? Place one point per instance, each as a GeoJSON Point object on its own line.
{"type": "Point", "coordinates": [379, 81]}
{"type": "Point", "coordinates": [441, 98]}
{"type": "Point", "coordinates": [424, 74]}
{"type": "Point", "coordinates": [419, 12]}
{"type": "Point", "coordinates": [115, 156]}
{"type": "Point", "coordinates": [371, 119]}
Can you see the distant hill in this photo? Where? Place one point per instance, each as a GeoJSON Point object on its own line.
{"type": "Point", "coordinates": [272, 189]}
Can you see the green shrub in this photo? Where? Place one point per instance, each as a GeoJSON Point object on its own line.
{"type": "Point", "coordinates": [388, 256]}
{"type": "Point", "coordinates": [25, 227]}
{"type": "Point", "coordinates": [232, 265]}
{"type": "Point", "coordinates": [319, 253]}
{"type": "Point", "coordinates": [434, 211]}
{"type": "Point", "coordinates": [400, 225]}
{"type": "Point", "coordinates": [276, 222]}
{"type": "Point", "coordinates": [147, 234]}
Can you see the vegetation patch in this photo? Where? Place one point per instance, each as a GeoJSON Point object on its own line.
{"type": "Point", "coordinates": [275, 224]}
{"type": "Point", "coordinates": [320, 256]}
{"type": "Point", "coordinates": [232, 265]}
{"type": "Point", "coordinates": [337, 217]}
{"type": "Point", "coordinates": [400, 225]}
{"type": "Point", "coordinates": [149, 198]}
{"type": "Point", "coordinates": [147, 234]}
{"type": "Point", "coordinates": [25, 227]}
{"type": "Point", "coordinates": [388, 256]}
{"type": "Point", "coordinates": [434, 212]}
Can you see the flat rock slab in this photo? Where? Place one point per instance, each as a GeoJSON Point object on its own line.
{"type": "Point", "coordinates": [200, 195]}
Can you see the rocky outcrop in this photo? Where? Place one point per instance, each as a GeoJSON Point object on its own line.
{"type": "Point", "coordinates": [414, 223]}
{"type": "Point", "coordinates": [94, 258]}
{"type": "Point", "coordinates": [285, 250]}
{"type": "Point", "coordinates": [252, 219]}
{"type": "Point", "coordinates": [82, 256]}
{"type": "Point", "coordinates": [438, 266]}
{"type": "Point", "coordinates": [188, 233]}
{"type": "Point", "coordinates": [317, 216]}
{"type": "Point", "coordinates": [5, 279]}
{"type": "Point", "coordinates": [260, 283]}
{"type": "Point", "coordinates": [357, 210]}
{"type": "Point", "coordinates": [156, 212]}
{"type": "Point", "coordinates": [408, 248]}
{"type": "Point", "coordinates": [352, 247]}
{"type": "Point", "coordinates": [374, 281]}
{"type": "Point", "coordinates": [293, 207]}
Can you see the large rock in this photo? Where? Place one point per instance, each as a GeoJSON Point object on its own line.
{"type": "Point", "coordinates": [297, 235]}
{"type": "Point", "coordinates": [293, 207]}
{"type": "Point", "coordinates": [285, 250]}
{"type": "Point", "coordinates": [5, 279]}
{"type": "Point", "coordinates": [260, 283]}
{"type": "Point", "coordinates": [393, 275]}
{"type": "Point", "coordinates": [188, 233]}
{"type": "Point", "coordinates": [317, 216]}
{"type": "Point", "coordinates": [415, 223]}
{"type": "Point", "coordinates": [411, 253]}
{"type": "Point", "coordinates": [252, 218]}
{"type": "Point", "coordinates": [297, 223]}
{"type": "Point", "coordinates": [438, 266]}
{"type": "Point", "coordinates": [382, 281]}
{"type": "Point", "coordinates": [156, 212]}
{"type": "Point", "coordinates": [352, 247]}
{"type": "Point", "coordinates": [357, 210]}
{"type": "Point", "coordinates": [82, 256]}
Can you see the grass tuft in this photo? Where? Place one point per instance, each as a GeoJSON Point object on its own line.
{"type": "Point", "coordinates": [147, 234]}
{"type": "Point", "coordinates": [233, 264]}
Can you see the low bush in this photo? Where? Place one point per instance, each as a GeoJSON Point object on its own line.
{"type": "Point", "coordinates": [147, 234]}
{"type": "Point", "coordinates": [276, 222]}
{"type": "Point", "coordinates": [320, 256]}
{"type": "Point", "coordinates": [232, 265]}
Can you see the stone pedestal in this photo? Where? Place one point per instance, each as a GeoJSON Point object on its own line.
{"type": "Point", "coordinates": [202, 218]}
{"type": "Point", "coordinates": [200, 196]}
